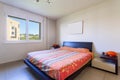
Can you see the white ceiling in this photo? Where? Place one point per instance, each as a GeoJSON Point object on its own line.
{"type": "Point", "coordinates": [55, 10]}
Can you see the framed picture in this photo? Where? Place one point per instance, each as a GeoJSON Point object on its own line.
{"type": "Point", "coordinates": [75, 27]}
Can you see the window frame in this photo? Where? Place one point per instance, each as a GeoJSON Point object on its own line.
{"type": "Point", "coordinates": [26, 29]}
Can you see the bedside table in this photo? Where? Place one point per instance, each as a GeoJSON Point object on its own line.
{"type": "Point", "coordinates": [54, 47]}
{"type": "Point", "coordinates": [106, 63]}
{"type": "Point", "coordinates": [111, 60]}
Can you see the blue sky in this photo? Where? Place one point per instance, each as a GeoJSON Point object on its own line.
{"type": "Point", "coordinates": [33, 28]}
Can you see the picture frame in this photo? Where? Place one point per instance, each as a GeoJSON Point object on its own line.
{"type": "Point", "coordinates": [75, 27]}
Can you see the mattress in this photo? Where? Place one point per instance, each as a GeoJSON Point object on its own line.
{"type": "Point", "coordinates": [58, 63]}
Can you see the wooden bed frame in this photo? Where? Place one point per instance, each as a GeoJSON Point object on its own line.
{"type": "Point", "coordinates": [44, 76]}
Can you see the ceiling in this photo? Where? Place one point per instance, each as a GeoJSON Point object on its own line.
{"type": "Point", "coordinates": [56, 9]}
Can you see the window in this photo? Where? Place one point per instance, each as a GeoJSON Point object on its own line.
{"type": "Point", "coordinates": [13, 28]}
{"type": "Point", "coordinates": [13, 33]}
{"type": "Point", "coordinates": [34, 30]}
{"type": "Point", "coordinates": [20, 29]}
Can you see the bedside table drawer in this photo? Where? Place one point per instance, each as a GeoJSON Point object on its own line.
{"type": "Point", "coordinates": [101, 64]}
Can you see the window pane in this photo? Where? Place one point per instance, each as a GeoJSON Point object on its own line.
{"type": "Point", "coordinates": [34, 30]}
{"type": "Point", "coordinates": [16, 28]}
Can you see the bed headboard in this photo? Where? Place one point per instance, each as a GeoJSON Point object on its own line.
{"type": "Point", "coordinates": [87, 45]}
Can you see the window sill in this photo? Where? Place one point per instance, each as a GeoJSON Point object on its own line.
{"type": "Point", "coordinates": [29, 41]}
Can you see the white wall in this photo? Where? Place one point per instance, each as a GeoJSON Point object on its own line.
{"type": "Point", "coordinates": [16, 51]}
{"type": "Point", "coordinates": [52, 33]}
{"type": "Point", "coordinates": [101, 26]}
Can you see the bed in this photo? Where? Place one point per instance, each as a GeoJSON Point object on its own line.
{"type": "Point", "coordinates": [58, 62]}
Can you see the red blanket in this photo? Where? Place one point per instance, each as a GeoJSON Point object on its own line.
{"type": "Point", "coordinates": [59, 64]}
